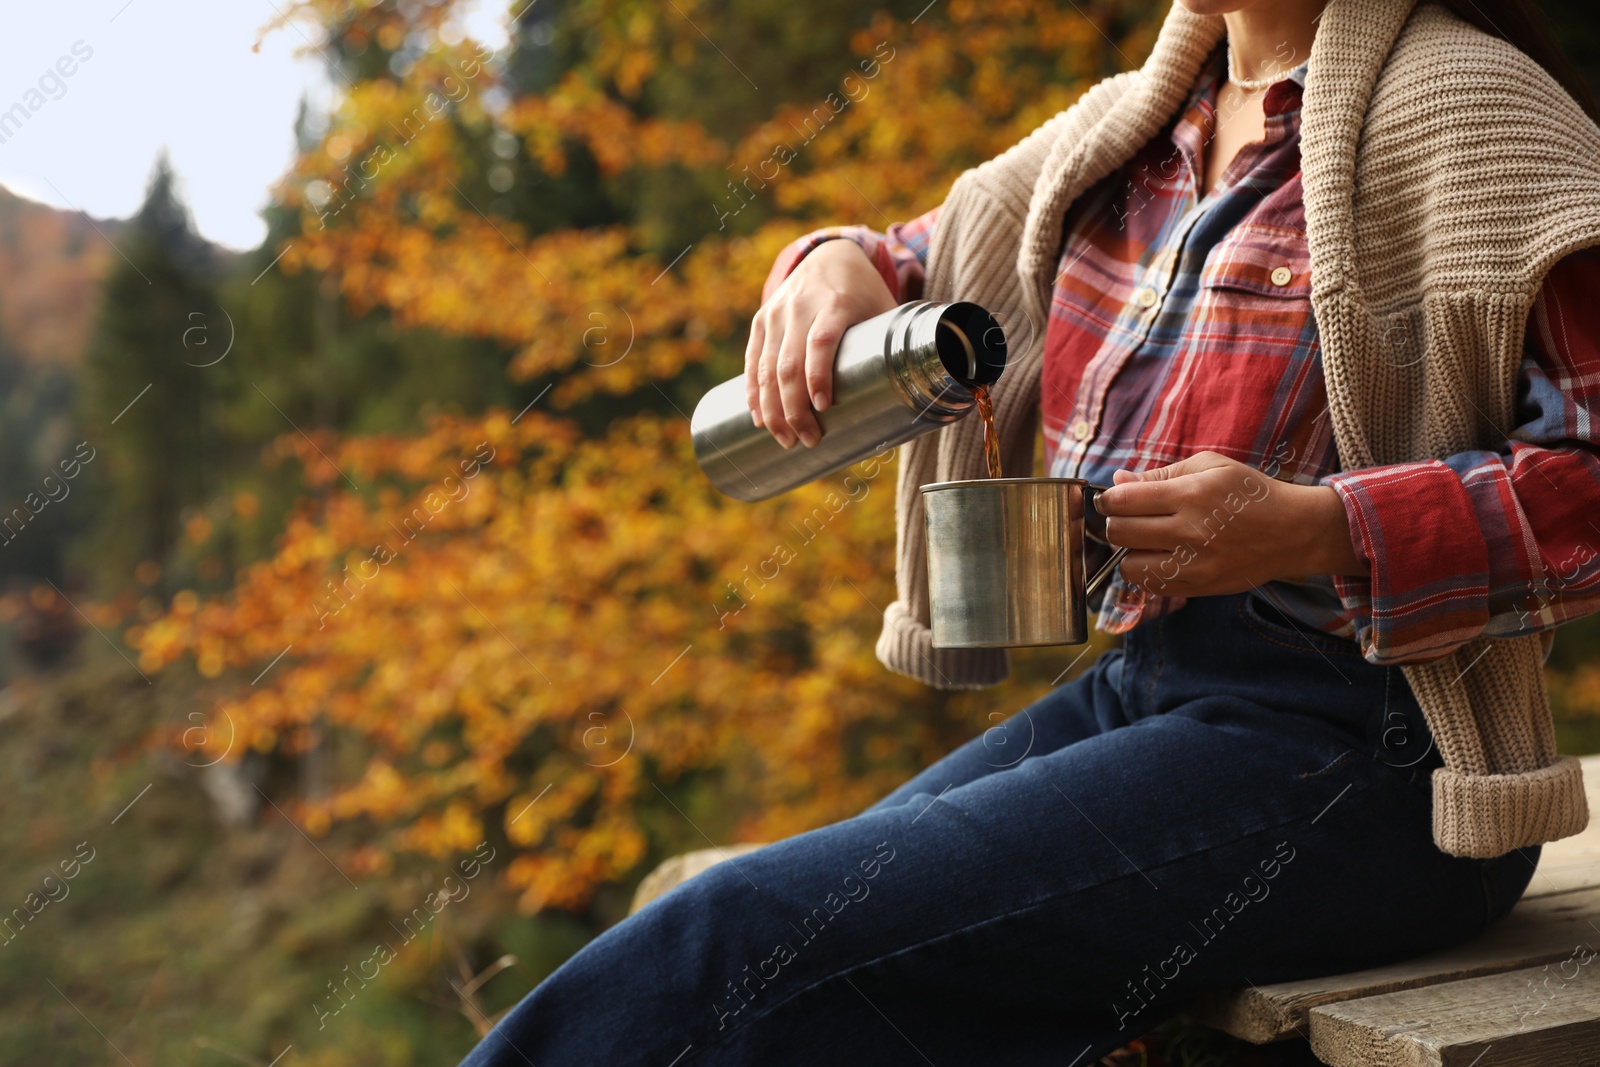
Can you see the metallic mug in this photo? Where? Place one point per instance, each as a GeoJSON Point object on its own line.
{"type": "Point", "coordinates": [1006, 561]}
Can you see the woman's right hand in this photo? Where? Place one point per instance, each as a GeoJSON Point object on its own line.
{"type": "Point", "coordinates": [794, 338]}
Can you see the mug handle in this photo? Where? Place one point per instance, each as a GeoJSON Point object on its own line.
{"type": "Point", "coordinates": [1107, 569]}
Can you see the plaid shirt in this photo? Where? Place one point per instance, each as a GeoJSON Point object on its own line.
{"type": "Point", "coordinates": [1182, 323]}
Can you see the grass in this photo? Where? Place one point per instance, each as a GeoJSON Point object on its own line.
{"type": "Point", "coordinates": [187, 942]}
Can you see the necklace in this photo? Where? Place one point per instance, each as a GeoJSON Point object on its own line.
{"type": "Point", "coordinates": [1251, 85]}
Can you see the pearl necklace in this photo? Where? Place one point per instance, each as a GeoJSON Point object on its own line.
{"type": "Point", "coordinates": [1251, 85]}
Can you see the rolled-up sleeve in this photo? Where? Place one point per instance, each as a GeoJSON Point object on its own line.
{"type": "Point", "coordinates": [900, 253]}
{"type": "Point", "coordinates": [1494, 542]}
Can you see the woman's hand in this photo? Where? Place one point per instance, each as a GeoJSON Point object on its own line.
{"type": "Point", "coordinates": [788, 362]}
{"type": "Point", "coordinates": [1209, 525]}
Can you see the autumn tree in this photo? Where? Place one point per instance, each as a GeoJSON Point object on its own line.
{"type": "Point", "coordinates": [542, 624]}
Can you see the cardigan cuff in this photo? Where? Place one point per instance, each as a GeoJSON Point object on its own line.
{"type": "Point", "coordinates": [906, 647]}
{"type": "Point", "coordinates": [1486, 815]}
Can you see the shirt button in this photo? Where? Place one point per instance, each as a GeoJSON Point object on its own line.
{"type": "Point", "coordinates": [1145, 298]}
{"type": "Point", "coordinates": [1080, 430]}
{"type": "Point", "coordinates": [1281, 275]}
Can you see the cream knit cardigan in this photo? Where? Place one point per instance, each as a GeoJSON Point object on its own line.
{"type": "Point", "coordinates": [1444, 173]}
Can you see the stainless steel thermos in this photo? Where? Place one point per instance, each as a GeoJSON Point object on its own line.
{"type": "Point", "coordinates": [897, 375]}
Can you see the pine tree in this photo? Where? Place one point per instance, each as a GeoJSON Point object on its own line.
{"type": "Point", "coordinates": [38, 508]}
{"type": "Point", "coordinates": [150, 412]}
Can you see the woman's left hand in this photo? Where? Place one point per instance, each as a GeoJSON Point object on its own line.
{"type": "Point", "coordinates": [1209, 525]}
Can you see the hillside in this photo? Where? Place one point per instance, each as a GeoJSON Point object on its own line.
{"type": "Point", "coordinates": [51, 263]}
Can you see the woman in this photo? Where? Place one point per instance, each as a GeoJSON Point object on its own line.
{"type": "Point", "coordinates": [1309, 287]}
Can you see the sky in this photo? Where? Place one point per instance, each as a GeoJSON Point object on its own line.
{"type": "Point", "coordinates": [148, 74]}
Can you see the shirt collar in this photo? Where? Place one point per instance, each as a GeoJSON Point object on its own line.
{"type": "Point", "coordinates": [1191, 130]}
{"type": "Point", "coordinates": [1215, 72]}
{"type": "Point", "coordinates": [1284, 96]}
{"type": "Point", "coordinates": [1281, 104]}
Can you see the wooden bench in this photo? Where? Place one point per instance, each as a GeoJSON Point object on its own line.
{"type": "Point", "coordinates": [1528, 989]}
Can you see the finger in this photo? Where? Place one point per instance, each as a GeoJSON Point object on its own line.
{"type": "Point", "coordinates": [752, 364]}
{"type": "Point", "coordinates": [1146, 534]}
{"type": "Point", "coordinates": [792, 377]}
{"type": "Point", "coordinates": [822, 351]}
{"type": "Point", "coordinates": [1130, 498]}
{"type": "Point", "coordinates": [767, 374]}
{"type": "Point", "coordinates": [1200, 461]}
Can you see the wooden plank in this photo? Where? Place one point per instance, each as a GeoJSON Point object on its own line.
{"type": "Point", "coordinates": [1538, 931]}
{"type": "Point", "coordinates": [1570, 868]}
{"type": "Point", "coordinates": [676, 870]}
{"type": "Point", "coordinates": [1527, 1018]}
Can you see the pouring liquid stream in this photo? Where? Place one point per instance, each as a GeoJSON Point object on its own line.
{"type": "Point", "coordinates": [991, 440]}
{"type": "Point", "coordinates": [985, 402]}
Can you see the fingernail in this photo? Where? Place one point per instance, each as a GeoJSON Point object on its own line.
{"type": "Point", "coordinates": [819, 401]}
{"type": "Point", "coordinates": [809, 440]}
{"type": "Point", "coordinates": [786, 442]}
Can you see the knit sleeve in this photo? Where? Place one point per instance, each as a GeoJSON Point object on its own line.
{"type": "Point", "coordinates": [900, 253]}
{"type": "Point", "coordinates": [1502, 542]}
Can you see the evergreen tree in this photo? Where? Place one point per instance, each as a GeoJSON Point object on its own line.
{"type": "Point", "coordinates": [151, 383]}
{"type": "Point", "coordinates": [39, 510]}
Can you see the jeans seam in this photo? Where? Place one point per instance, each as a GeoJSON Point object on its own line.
{"type": "Point", "coordinates": [1486, 879]}
{"type": "Point", "coordinates": [1343, 757]}
{"type": "Point", "coordinates": [1383, 722]}
{"type": "Point", "coordinates": [1158, 639]}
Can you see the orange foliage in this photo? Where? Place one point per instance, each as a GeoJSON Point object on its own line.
{"type": "Point", "coordinates": [559, 644]}
{"type": "Point", "coordinates": [561, 623]}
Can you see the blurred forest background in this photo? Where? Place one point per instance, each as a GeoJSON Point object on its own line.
{"type": "Point", "coordinates": [381, 547]}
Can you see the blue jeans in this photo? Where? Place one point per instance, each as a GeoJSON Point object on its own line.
{"type": "Point", "coordinates": [1227, 799]}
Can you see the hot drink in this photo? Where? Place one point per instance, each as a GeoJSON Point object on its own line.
{"type": "Point", "coordinates": [991, 440]}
